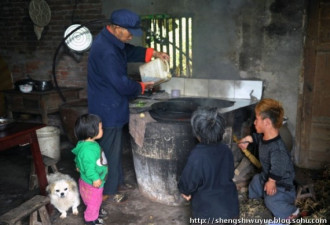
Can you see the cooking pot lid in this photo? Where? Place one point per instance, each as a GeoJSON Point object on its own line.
{"type": "Point", "coordinates": [80, 40]}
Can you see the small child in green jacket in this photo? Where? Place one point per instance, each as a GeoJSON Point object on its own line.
{"type": "Point", "coordinates": [92, 165]}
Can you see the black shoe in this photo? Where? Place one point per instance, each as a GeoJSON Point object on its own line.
{"type": "Point", "coordinates": [118, 198]}
{"type": "Point", "coordinates": [98, 221]}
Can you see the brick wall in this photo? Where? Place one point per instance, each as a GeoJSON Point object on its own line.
{"type": "Point", "coordinates": [25, 54]}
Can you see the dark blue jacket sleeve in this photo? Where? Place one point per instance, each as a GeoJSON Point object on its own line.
{"type": "Point", "coordinates": [191, 177]}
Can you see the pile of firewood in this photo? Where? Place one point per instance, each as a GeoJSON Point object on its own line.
{"type": "Point", "coordinates": [320, 207]}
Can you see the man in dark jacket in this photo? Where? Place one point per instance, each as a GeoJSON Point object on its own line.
{"type": "Point", "coordinates": [109, 87]}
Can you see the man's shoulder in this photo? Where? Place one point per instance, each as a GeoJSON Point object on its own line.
{"type": "Point", "coordinates": [106, 40]}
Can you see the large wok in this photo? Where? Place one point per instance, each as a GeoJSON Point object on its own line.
{"type": "Point", "coordinates": [181, 109]}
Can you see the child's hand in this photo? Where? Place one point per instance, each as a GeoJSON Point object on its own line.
{"type": "Point", "coordinates": [187, 197]}
{"type": "Point", "coordinates": [244, 142]}
{"type": "Point", "coordinates": [270, 187]}
{"type": "Point", "coordinates": [97, 183]}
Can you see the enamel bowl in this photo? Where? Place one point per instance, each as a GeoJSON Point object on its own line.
{"type": "Point", "coordinates": [26, 88]}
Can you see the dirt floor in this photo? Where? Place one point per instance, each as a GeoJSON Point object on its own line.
{"type": "Point", "coordinates": [137, 210]}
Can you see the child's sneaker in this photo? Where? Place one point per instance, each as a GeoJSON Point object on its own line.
{"type": "Point", "coordinates": [98, 221]}
{"type": "Point", "coordinates": [294, 215]}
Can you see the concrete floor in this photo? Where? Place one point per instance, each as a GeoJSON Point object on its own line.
{"type": "Point", "coordinates": [137, 210]}
{"type": "Point", "coordinates": [14, 180]}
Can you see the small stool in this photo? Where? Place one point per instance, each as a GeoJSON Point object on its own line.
{"type": "Point", "coordinates": [304, 184]}
{"type": "Point", "coordinates": [48, 162]}
{"type": "Point", "coordinates": [305, 191]}
{"type": "Point", "coordinates": [34, 207]}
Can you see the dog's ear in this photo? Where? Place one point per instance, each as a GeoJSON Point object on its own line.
{"type": "Point", "coordinates": [50, 188]}
{"type": "Point", "coordinates": [73, 185]}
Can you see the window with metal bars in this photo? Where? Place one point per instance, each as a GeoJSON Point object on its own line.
{"type": "Point", "coordinates": [174, 36]}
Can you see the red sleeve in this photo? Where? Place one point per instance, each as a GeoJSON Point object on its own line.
{"type": "Point", "coordinates": [143, 86]}
{"type": "Point", "coordinates": [149, 53]}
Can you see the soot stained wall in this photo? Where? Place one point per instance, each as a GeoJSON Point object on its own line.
{"type": "Point", "coordinates": [232, 39]}
{"type": "Point", "coordinates": [242, 39]}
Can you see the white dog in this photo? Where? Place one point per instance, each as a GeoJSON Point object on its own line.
{"type": "Point", "coordinates": [63, 193]}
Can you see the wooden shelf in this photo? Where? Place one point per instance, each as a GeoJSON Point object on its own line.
{"type": "Point", "coordinates": [38, 102]}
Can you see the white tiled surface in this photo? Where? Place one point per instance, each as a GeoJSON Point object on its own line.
{"type": "Point", "coordinates": [241, 89]}
{"type": "Point", "coordinates": [248, 88]}
{"type": "Point", "coordinates": [221, 89]}
{"type": "Point", "coordinates": [196, 87]}
{"type": "Point", "coordinates": [174, 83]}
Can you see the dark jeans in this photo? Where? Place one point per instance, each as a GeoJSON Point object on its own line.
{"type": "Point", "coordinates": [111, 143]}
{"type": "Point", "coordinates": [281, 204]}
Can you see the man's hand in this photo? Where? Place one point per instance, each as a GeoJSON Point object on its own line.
{"type": "Point", "coordinates": [187, 197]}
{"type": "Point", "coordinates": [270, 187]}
{"type": "Point", "coordinates": [161, 55]}
{"type": "Point", "coordinates": [148, 85]}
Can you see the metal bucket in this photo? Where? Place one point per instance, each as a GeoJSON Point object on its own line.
{"type": "Point", "coordinates": [49, 142]}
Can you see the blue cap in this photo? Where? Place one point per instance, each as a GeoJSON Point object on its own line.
{"type": "Point", "coordinates": [127, 19]}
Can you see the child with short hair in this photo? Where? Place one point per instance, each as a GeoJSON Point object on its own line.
{"type": "Point", "coordinates": [207, 178]}
{"type": "Point", "coordinates": [275, 182]}
{"type": "Point", "coordinates": [92, 166]}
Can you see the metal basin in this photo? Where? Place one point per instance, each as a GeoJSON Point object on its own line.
{"type": "Point", "coordinates": [181, 109]}
{"type": "Point", "coordinates": [5, 123]}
